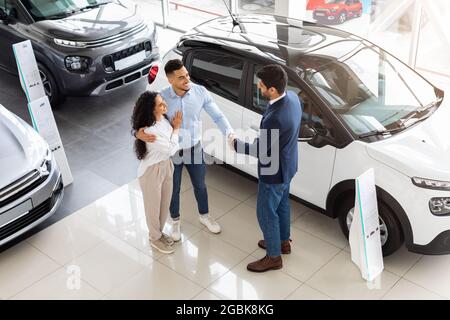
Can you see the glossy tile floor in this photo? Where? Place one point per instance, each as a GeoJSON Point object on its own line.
{"type": "Point", "coordinates": [102, 252]}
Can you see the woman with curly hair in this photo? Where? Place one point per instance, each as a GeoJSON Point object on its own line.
{"type": "Point", "coordinates": [155, 170]}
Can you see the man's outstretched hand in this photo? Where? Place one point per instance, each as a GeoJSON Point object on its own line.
{"type": "Point", "coordinates": [231, 138]}
{"type": "Point", "coordinates": [141, 135]}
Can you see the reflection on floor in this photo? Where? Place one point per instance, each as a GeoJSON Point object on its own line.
{"type": "Point", "coordinates": [102, 252]}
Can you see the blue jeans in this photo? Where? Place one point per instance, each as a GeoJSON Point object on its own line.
{"type": "Point", "coordinates": [194, 162]}
{"type": "Point", "coordinates": [273, 211]}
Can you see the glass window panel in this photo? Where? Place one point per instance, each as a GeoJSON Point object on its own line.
{"type": "Point", "coordinates": [256, 6]}
{"type": "Point", "coordinates": [395, 37]}
{"type": "Point", "coordinates": [218, 73]}
{"type": "Point", "coordinates": [372, 90]}
{"type": "Point", "coordinates": [187, 14]}
{"type": "Point", "coordinates": [151, 9]}
{"type": "Point", "coordinates": [434, 39]}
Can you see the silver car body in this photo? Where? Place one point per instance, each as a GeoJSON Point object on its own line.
{"type": "Point", "coordinates": [31, 186]}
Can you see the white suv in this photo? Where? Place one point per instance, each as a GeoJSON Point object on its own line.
{"type": "Point", "coordinates": [363, 108]}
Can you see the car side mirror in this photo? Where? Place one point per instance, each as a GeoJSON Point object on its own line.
{"type": "Point", "coordinates": [307, 133]}
{"type": "Point", "coordinates": [6, 18]}
{"type": "Point", "coordinates": [3, 15]}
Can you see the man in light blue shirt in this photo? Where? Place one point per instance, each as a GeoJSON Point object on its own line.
{"type": "Point", "coordinates": [191, 99]}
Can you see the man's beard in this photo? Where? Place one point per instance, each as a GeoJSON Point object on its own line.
{"type": "Point", "coordinates": [265, 95]}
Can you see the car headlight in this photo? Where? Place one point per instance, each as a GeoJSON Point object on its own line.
{"type": "Point", "coordinates": [70, 44]}
{"type": "Point", "coordinates": [440, 206]}
{"type": "Point", "coordinates": [46, 165]}
{"type": "Point", "coordinates": [77, 63]}
{"type": "Point", "coordinates": [431, 184]}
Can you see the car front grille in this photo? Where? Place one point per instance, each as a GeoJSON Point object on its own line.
{"type": "Point", "coordinates": [29, 218]}
{"type": "Point", "coordinates": [20, 187]}
{"type": "Point", "coordinates": [108, 61]}
{"type": "Point", "coordinates": [115, 38]}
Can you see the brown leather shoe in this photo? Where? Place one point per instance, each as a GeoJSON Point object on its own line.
{"type": "Point", "coordinates": [285, 246]}
{"type": "Point", "coordinates": [265, 264]}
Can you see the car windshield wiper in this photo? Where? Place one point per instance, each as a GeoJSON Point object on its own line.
{"type": "Point", "coordinates": [425, 111]}
{"type": "Point", "coordinates": [93, 6]}
{"type": "Point", "coordinates": [380, 132]}
{"type": "Point", "coordinates": [62, 15]}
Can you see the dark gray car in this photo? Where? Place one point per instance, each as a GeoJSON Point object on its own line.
{"type": "Point", "coordinates": [83, 47]}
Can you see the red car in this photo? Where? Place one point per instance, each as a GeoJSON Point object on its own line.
{"type": "Point", "coordinates": [338, 11]}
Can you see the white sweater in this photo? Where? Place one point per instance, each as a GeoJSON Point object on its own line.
{"type": "Point", "coordinates": [163, 148]}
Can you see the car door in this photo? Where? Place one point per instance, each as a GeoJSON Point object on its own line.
{"type": "Point", "coordinates": [220, 73]}
{"type": "Point", "coordinates": [316, 157]}
{"type": "Point", "coordinates": [9, 34]}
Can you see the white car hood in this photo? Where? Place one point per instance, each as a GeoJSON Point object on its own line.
{"type": "Point", "coordinates": [421, 151]}
{"type": "Point", "coordinates": [21, 148]}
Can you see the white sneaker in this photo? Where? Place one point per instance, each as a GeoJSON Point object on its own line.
{"type": "Point", "coordinates": [210, 223]}
{"type": "Point", "coordinates": [176, 232]}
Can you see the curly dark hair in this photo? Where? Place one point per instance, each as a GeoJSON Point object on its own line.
{"type": "Point", "coordinates": [143, 116]}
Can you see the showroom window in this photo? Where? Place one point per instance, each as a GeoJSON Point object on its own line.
{"type": "Point", "coordinates": [186, 14]}
{"type": "Point", "coordinates": [256, 6]}
{"type": "Point", "coordinates": [433, 53]}
{"type": "Point", "coordinates": [151, 9]}
{"type": "Point", "coordinates": [415, 31]}
{"type": "Point", "coordinates": [218, 73]}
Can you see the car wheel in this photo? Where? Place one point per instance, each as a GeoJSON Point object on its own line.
{"type": "Point", "coordinates": [50, 87]}
{"type": "Point", "coordinates": [342, 17]}
{"type": "Point", "coordinates": [359, 14]}
{"type": "Point", "coordinates": [390, 231]}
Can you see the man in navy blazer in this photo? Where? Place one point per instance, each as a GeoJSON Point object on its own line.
{"type": "Point", "coordinates": [277, 153]}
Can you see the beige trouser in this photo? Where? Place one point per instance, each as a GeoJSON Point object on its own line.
{"type": "Point", "coordinates": [156, 185]}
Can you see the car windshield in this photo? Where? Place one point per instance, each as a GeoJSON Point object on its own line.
{"type": "Point", "coordinates": [57, 9]}
{"type": "Point", "coordinates": [372, 91]}
{"type": "Point", "coordinates": [334, 1]}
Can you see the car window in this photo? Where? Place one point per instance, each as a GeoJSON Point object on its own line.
{"type": "Point", "coordinates": [58, 9]}
{"type": "Point", "coordinates": [370, 90]}
{"type": "Point", "coordinates": [260, 102]}
{"type": "Point", "coordinates": [219, 73]}
{"type": "Point", "coordinates": [314, 118]}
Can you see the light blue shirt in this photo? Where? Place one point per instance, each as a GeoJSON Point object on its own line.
{"type": "Point", "coordinates": [192, 104]}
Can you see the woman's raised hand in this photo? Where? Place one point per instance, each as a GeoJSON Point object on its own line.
{"type": "Point", "coordinates": [177, 120]}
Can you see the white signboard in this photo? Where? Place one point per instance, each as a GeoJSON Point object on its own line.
{"type": "Point", "coordinates": [364, 237]}
{"type": "Point", "coordinates": [28, 71]}
{"type": "Point", "coordinates": [39, 106]}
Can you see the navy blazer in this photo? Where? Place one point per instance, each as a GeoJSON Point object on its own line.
{"type": "Point", "coordinates": [277, 155]}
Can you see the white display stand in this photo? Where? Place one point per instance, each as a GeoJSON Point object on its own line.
{"type": "Point", "coordinates": [39, 106]}
{"type": "Point", "coordinates": [364, 237]}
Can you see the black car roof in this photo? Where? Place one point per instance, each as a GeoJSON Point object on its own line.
{"type": "Point", "coordinates": [298, 44]}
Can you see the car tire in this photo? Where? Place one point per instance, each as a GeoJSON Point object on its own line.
{"type": "Point", "coordinates": [391, 231]}
{"type": "Point", "coordinates": [342, 17]}
{"type": "Point", "coordinates": [359, 13]}
{"type": "Point", "coordinates": [50, 87]}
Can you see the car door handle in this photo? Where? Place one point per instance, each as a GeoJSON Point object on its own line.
{"type": "Point", "coordinates": [254, 127]}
